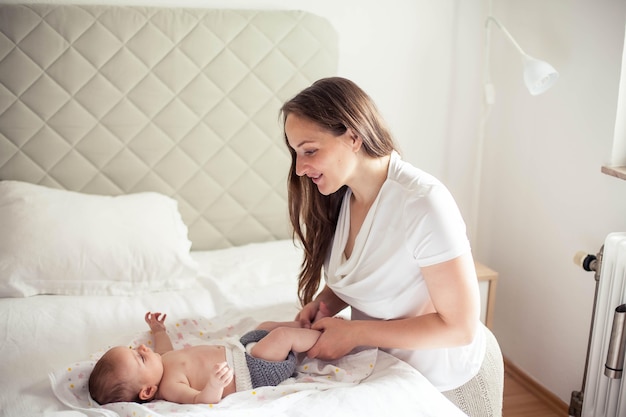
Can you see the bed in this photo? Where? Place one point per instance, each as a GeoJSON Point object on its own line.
{"type": "Point", "coordinates": [143, 168]}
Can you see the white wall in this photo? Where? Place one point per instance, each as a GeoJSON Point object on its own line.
{"type": "Point", "coordinates": [543, 196]}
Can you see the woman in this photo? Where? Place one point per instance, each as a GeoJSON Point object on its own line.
{"type": "Point", "coordinates": [391, 244]}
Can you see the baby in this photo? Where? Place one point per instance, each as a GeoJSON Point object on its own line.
{"type": "Point", "coordinates": [199, 374]}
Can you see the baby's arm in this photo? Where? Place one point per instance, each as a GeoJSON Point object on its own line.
{"type": "Point", "coordinates": [176, 387]}
{"type": "Point", "coordinates": [162, 342]}
{"type": "Point", "coordinates": [214, 389]}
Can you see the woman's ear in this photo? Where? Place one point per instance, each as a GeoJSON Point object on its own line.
{"type": "Point", "coordinates": [356, 140]}
{"type": "Point", "coordinates": [148, 393]}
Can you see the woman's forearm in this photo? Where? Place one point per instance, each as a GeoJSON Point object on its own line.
{"type": "Point", "coordinates": [332, 301]}
{"type": "Point", "coordinates": [428, 331]}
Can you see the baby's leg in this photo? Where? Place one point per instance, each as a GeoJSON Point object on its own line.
{"type": "Point", "coordinates": [280, 341]}
{"type": "Point", "coordinates": [271, 325]}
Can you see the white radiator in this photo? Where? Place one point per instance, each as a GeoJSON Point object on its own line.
{"type": "Point", "coordinates": [605, 396]}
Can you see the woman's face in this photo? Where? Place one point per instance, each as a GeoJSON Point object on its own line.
{"type": "Point", "coordinates": [328, 160]}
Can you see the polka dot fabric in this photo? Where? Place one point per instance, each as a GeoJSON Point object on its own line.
{"type": "Point", "coordinates": [70, 384]}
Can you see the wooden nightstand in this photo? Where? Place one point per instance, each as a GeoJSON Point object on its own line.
{"type": "Point", "coordinates": [487, 280]}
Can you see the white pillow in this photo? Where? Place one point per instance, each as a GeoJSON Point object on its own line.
{"type": "Point", "coordinates": [252, 276]}
{"type": "Point", "coordinates": [63, 242]}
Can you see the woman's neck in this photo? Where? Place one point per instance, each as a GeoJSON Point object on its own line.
{"type": "Point", "coordinates": [371, 176]}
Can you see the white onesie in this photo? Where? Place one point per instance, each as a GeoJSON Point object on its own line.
{"type": "Point", "coordinates": [414, 222]}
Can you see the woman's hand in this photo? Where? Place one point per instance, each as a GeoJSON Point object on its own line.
{"type": "Point", "coordinates": [312, 312]}
{"type": "Point", "coordinates": [306, 316]}
{"type": "Point", "coordinates": [337, 338]}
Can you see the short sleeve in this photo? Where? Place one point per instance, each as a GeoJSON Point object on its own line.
{"type": "Point", "coordinates": [435, 228]}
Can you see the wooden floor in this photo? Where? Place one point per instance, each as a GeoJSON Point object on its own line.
{"type": "Point", "coordinates": [520, 401]}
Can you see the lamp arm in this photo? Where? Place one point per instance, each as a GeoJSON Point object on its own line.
{"type": "Point", "coordinates": [506, 32]}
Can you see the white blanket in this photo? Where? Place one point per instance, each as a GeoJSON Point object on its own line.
{"type": "Point", "coordinates": [377, 371]}
{"type": "Point", "coordinates": [70, 383]}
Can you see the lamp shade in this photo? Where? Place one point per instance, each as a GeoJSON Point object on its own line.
{"type": "Point", "coordinates": [538, 75]}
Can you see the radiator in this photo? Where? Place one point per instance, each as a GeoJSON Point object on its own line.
{"type": "Point", "coordinates": [605, 386]}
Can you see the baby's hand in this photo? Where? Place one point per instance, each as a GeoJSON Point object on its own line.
{"type": "Point", "coordinates": [222, 375]}
{"type": "Point", "coordinates": [156, 321]}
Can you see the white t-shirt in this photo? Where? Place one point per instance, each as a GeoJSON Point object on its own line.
{"type": "Point", "coordinates": [414, 222]}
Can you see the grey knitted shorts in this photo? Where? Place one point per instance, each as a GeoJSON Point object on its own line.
{"type": "Point", "coordinates": [267, 373]}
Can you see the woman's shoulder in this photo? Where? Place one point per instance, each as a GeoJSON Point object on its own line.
{"type": "Point", "coordinates": [415, 181]}
{"type": "Point", "coordinates": [418, 192]}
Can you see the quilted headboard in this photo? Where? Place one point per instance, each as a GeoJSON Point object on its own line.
{"type": "Point", "coordinates": [121, 99]}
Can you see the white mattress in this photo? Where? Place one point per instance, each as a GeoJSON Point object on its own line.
{"type": "Point", "coordinates": [238, 287]}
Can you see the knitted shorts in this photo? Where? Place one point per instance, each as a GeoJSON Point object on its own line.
{"type": "Point", "coordinates": [267, 373]}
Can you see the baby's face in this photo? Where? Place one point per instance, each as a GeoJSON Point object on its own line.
{"type": "Point", "coordinates": [142, 365]}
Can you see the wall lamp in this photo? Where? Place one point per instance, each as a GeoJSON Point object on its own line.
{"type": "Point", "coordinates": [539, 76]}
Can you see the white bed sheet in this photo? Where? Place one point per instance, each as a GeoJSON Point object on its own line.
{"type": "Point", "coordinates": [237, 287]}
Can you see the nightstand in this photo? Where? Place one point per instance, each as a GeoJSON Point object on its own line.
{"type": "Point", "coordinates": [487, 281]}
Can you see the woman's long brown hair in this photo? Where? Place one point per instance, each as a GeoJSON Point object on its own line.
{"type": "Point", "coordinates": [335, 104]}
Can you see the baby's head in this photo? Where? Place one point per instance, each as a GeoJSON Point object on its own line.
{"type": "Point", "coordinates": [124, 374]}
